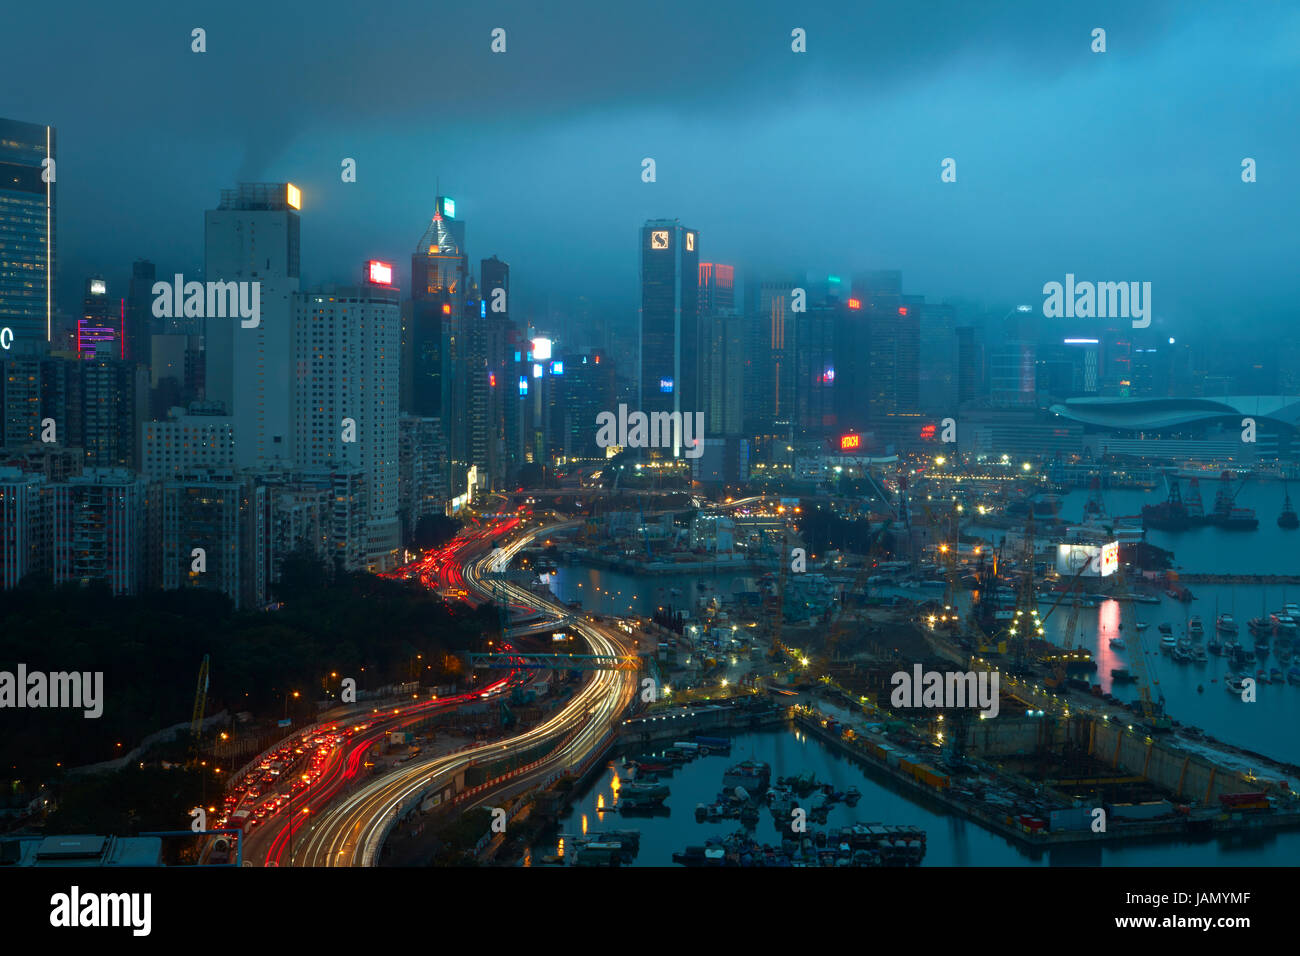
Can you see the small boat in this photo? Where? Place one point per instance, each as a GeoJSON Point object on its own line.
{"type": "Point", "coordinates": [1234, 684]}
{"type": "Point", "coordinates": [1259, 625]}
{"type": "Point", "coordinates": [1195, 627]}
{"type": "Point", "coordinates": [1275, 675]}
{"type": "Point", "coordinates": [1141, 625]}
{"type": "Point", "coordinates": [1284, 623]}
{"type": "Point", "coordinates": [1247, 656]}
{"type": "Point", "coordinates": [1288, 519]}
{"type": "Point", "coordinates": [1166, 629]}
{"type": "Point", "coordinates": [1213, 646]}
{"type": "Point", "coordinates": [1117, 643]}
{"type": "Point", "coordinates": [1168, 643]}
{"type": "Point", "coordinates": [1182, 652]}
{"type": "Point", "coordinates": [1293, 675]}
{"type": "Point", "coordinates": [1146, 598]}
{"type": "Point", "coordinates": [1121, 675]}
{"type": "Point", "coordinates": [1225, 624]}
{"type": "Point", "coordinates": [1261, 676]}
{"type": "Point", "coordinates": [1199, 654]}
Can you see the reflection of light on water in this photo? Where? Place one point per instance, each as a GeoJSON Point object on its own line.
{"type": "Point", "coordinates": [600, 802]}
{"type": "Point", "coordinates": [528, 856]}
{"type": "Point", "coordinates": [614, 784]}
{"type": "Point", "coordinates": [584, 824]}
{"type": "Point", "coordinates": [559, 848]}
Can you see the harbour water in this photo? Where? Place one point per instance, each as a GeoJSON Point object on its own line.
{"type": "Point", "coordinates": [950, 840]}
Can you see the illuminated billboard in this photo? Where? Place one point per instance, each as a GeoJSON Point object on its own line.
{"type": "Point", "coordinates": [848, 442]}
{"type": "Point", "coordinates": [380, 273]}
{"type": "Point", "coordinates": [1071, 557]}
{"type": "Point", "coordinates": [541, 349]}
{"type": "Point", "coordinates": [449, 207]}
{"type": "Point", "coordinates": [293, 196]}
{"type": "Point", "coordinates": [659, 239]}
{"type": "Point", "coordinates": [97, 287]}
{"type": "Point", "coordinates": [690, 242]}
{"type": "Point", "coordinates": [1109, 558]}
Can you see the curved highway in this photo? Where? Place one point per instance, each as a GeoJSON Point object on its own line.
{"type": "Point", "coordinates": [351, 832]}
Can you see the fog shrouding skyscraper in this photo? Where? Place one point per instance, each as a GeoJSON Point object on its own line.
{"type": "Point", "coordinates": [439, 280]}
{"type": "Point", "coordinates": [139, 312]}
{"type": "Point", "coordinates": [669, 320]}
{"type": "Point", "coordinates": [99, 328]}
{"type": "Point", "coordinates": [27, 230]}
{"type": "Point", "coordinates": [253, 236]}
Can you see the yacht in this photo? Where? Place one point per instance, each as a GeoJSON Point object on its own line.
{"type": "Point", "coordinates": [1225, 624]}
{"type": "Point", "coordinates": [1117, 643]}
{"type": "Point", "coordinates": [1283, 623]}
{"type": "Point", "coordinates": [1199, 654]}
{"type": "Point", "coordinates": [1194, 626]}
{"type": "Point", "coordinates": [1168, 643]}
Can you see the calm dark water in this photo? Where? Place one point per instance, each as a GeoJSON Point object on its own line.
{"type": "Point", "coordinates": [950, 841]}
{"type": "Point", "coordinates": [1194, 694]}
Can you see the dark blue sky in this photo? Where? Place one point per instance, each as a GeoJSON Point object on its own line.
{"type": "Point", "coordinates": [1115, 166]}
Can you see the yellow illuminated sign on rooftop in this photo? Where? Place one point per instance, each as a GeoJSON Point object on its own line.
{"type": "Point", "coordinates": [293, 196]}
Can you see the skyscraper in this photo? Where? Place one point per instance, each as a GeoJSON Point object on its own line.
{"type": "Point", "coordinates": [717, 287]}
{"type": "Point", "coordinates": [669, 320]}
{"type": "Point", "coordinates": [27, 229]}
{"type": "Point", "coordinates": [99, 327]}
{"type": "Point", "coordinates": [346, 355]}
{"type": "Point", "coordinates": [139, 312]}
{"type": "Point", "coordinates": [439, 278]}
{"type": "Point", "coordinates": [503, 341]}
{"type": "Point", "coordinates": [253, 236]}
{"type": "Point", "coordinates": [770, 385]}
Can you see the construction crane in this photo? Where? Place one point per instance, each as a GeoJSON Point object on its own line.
{"type": "Point", "coordinates": [1153, 709]}
{"type": "Point", "coordinates": [984, 615]}
{"type": "Point", "coordinates": [1025, 626]}
{"type": "Point", "coordinates": [200, 703]}
{"type": "Point", "coordinates": [1071, 624]}
{"type": "Point", "coordinates": [859, 586]}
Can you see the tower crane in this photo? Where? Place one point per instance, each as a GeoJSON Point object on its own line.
{"type": "Point", "coordinates": [200, 703]}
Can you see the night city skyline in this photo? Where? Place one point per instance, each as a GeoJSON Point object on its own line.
{"type": "Point", "coordinates": [632, 437]}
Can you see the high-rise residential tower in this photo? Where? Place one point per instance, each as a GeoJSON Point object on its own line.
{"type": "Point", "coordinates": [346, 366]}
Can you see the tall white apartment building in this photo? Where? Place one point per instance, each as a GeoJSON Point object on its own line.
{"type": "Point", "coordinates": [346, 368]}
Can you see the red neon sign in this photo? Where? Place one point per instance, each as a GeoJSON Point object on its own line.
{"type": "Point", "coordinates": [902, 310]}
{"type": "Point", "coordinates": [381, 273]}
{"type": "Point", "coordinates": [927, 431]}
{"type": "Point", "coordinates": [855, 303]}
{"type": "Point", "coordinates": [850, 441]}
